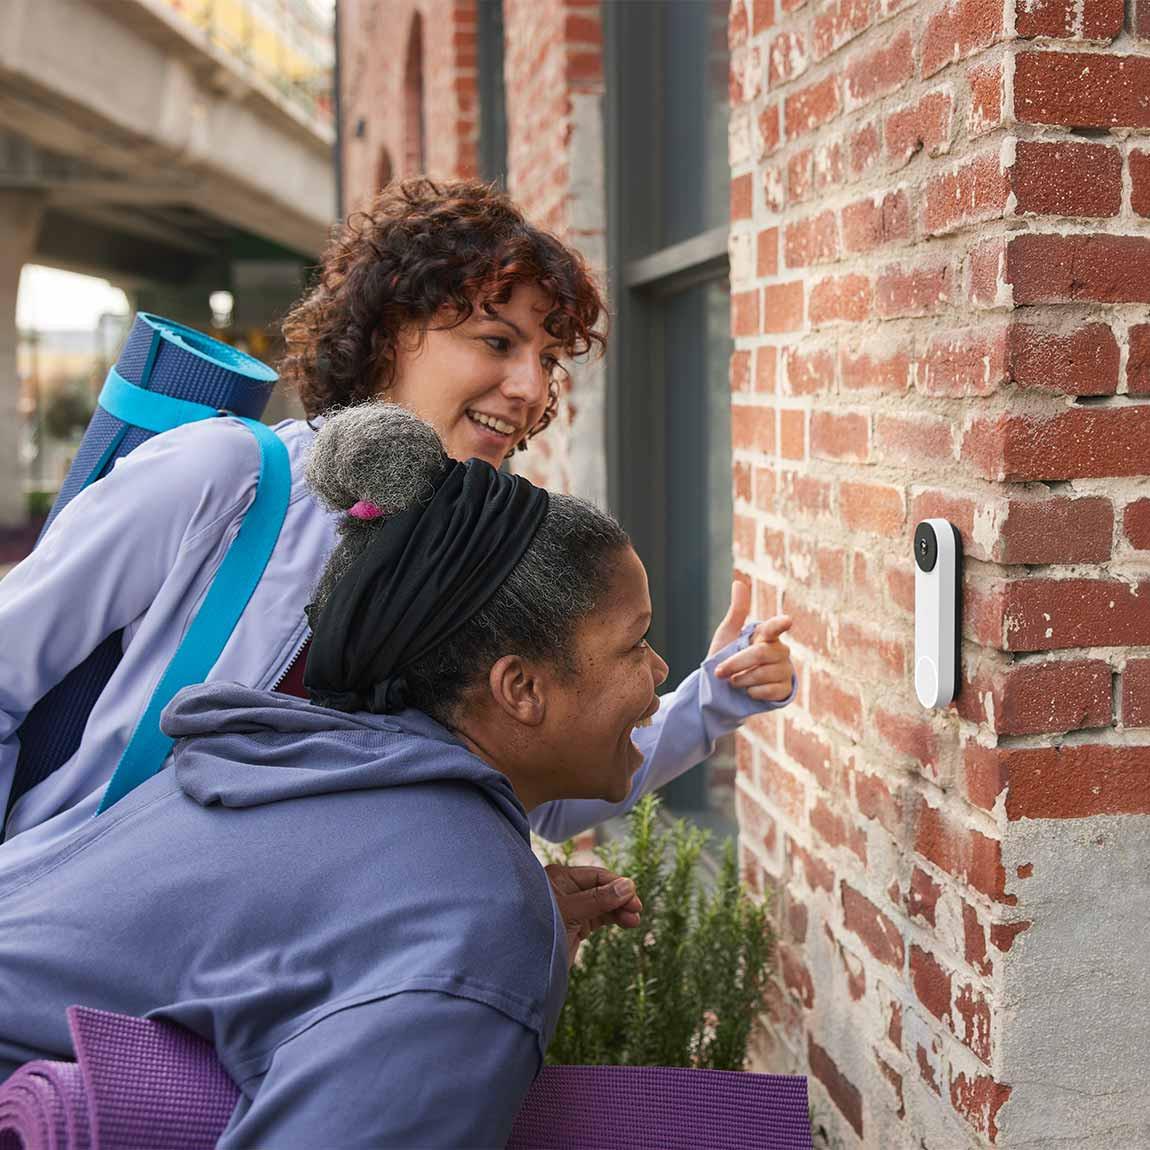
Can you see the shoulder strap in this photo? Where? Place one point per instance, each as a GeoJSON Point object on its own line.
{"type": "Point", "coordinates": [241, 569]}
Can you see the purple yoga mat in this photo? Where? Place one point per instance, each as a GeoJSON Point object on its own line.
{"type": "Point", "coordinates": [141, 1085]}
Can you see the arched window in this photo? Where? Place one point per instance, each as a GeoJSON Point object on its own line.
{"type": "Point", "coordinates": [414, 123]}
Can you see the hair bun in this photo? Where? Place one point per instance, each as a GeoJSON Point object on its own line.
{"type": "Point", "coordinates": [378, 453]}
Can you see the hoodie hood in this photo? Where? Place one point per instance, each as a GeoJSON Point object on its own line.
{"type": "Point", "coordinates": [239, 747]}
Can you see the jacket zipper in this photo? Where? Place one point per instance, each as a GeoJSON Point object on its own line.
{"type": "Point", "coordinates": [292, 661]}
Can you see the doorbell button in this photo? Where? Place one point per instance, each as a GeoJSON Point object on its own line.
{"type": "Point", "coordinates": [937, 550]}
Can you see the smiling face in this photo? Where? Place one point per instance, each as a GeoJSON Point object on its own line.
{"type": "Point", "coordinates": [576, 742]}
{"type": "Point", "coordinates": [482, 384]}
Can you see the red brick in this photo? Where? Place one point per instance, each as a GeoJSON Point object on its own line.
{"type": "Point", "coordinates": [768, 130]}
{"type": "Point", "coordinates": [1067, 179]}
{"type": "Point", "coordinates": [744, 313]}
{"type": "Point", "coordinates": [784, 789]}
{"type": "Point", "coordinates": [1081, 362]}
{"type": "Point", "coordinates": [816, 873]}
{"type": "Point", "coordinates": [738, 26]}
{"type": "Point", "coordinates": [979, 1100]}
{"type": "Point", "coordinates": [765, 368]}
{"type": "Point", "coordinates": [792, 434]}
{"type": "Point", "coordinates": [1136, 524]}
{"type": "Point", "coordinates": [787, 59]}
{"type": "Point", "coordinates": [583, 30]}
{"type": "Point", "coordinates": [796, 977]}
{"type": "Point", "coordinates": [755, 825]}
{"type": "Point", "coordinates": [838, 24]}
{"type": "Point", "coordinates": [918, 438]}
{"type": "Point", "coordinates": [875, 801]}
{"type": "Point", "coordinates": [913, 291]}
{"type": "Point", "coordinates": [800, 176]}
{"type": "Point", "coordinates": [812, 106]}
{"type": "Point", "coordinates": [1140, 19]}
{"type": "Point", "coordinates": [1079, 90]}
{"type": "Point", "coordinates": [835, 831]}
{"type": "Point", "coordinates": [873, 651]}
{"type": "Point", "coordinates": [1076, 782]}
{"type": "Point", "coordinates": [985, 84]}
{"type": "Point", "coordinates": [870, 223]}
{"type": "Point", "coordinates": [741, 197]}
{"type": "Point", "coordinates": [895, 1079]}
{"type": "Point", "coordinates": [1061, 19]}
{"type": "Point", "coordinates": [926, 1068]}
{"type": "Point", "coordinates": [813, 240]}
{"type": "Point", "coordinates": [740, 372]}
{"type": "Point", "coordinates": [967, 854]}
{"type": "Point", "coordinates": [1052, 698]}
{"type": "Point", "coordinates": [845, 299]}
{"type": "Point", "coordinates": [880, 72]}
{"type": "Point", "coordinates": [806, 497]}
{"type": "Point", "coordinates": [1138, 362]}
{"type": "Point", "coordinates": [959, 29]}
{"type": "Point", "coordinates": [809, 372]}
{"type": "Point", "coordinates": [811, 752]}
{"type": "Point", "coordinates": [932, 983]}
{"type": "Point", "coordinates": [843, 1092]}
{"type": "Point", "coordinates": [840, 436]}
{"type": "Point", "coordinates": [742, 482]}
{"type": "Point", "coordinates": [923, 126]}
{"type": "Point", "coordinates": [880, 935]}
{"type": "Point", "coordinates": [872, 507]}
{"type": "Point", "coordinates": [1080, 443]}
{"type": "Point", "coordinates": [1003, 934]}
{"type": "Point", "coordinates": [974, 941]}
{"type": "Point", "coordinates": [753, 428]}
{"type": "Point", "coordinates": [767, 252]}
{"type": "Point", "coordinates": [973, 1025]}
{"type": "Point", "coordinates": [870, 371]}
{"type": "Point", "coordinates": [909, 736]}
{"type": "Point", "coordinates": [973, 193]}
{"type": "Point", "coordinates": [829, 165]}
{"type": "Point", "coordinates": [922, 896]}
{"type": "Point", "coordinates": [1140, 179]}
{"type": "Point", "coordinates": [864, 148]}
{"type": "Point", "coordinates": [833, 702]}
{"type": "Point", "coordinates": [987, 262]}
{"type": "Point", "coordinates": [763, 16]}
{"type": "Point", "coordinates": [783, 307]}
{"type": "Point", "coordinates": [774, 188]}
{"type": "Point", "coordinates": [745, 530]}
{"type": "Point", "coordinates": [1057, 614]}
{"type": "Point", "coordinates": [1057, 529]}
{"type": "Point", "coordinates": [971, 362]}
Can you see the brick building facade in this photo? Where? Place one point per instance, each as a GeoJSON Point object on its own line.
{"type": "Point", "coordinates": [939, 270]}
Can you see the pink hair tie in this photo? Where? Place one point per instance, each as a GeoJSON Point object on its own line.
{"type": "Point", "coordinates": [365, 509]}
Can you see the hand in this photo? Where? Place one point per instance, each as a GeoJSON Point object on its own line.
{"type": "Point", "coordinates": [589, 897]}
{"type": "Point", "coordinates": [764, 667]}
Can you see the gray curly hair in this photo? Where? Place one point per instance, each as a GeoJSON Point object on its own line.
{"type": "Point", "coordinates": [383, 454]}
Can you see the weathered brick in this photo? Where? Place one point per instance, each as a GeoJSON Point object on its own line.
{"type": "Point", "coordinates": [812, 107]}
{"type": "Point", "coordinates": [1140, 180]}
{"type": "Point", "coordinates": [1138, 361]}
{"type": "Point", "coordinates": [766, 365]}
{"type": "Point", "coordinates": [872, 507]}
{"type": "Point", "coordinates": [1058, 614]}
{"type": "Point", "coordinates": [974, 941]}
{"type": "Point", "coordinates": [767, 252]}
{"type": "Point", "coordinates": [893, 1077]}
{"type": "Point", "coordinates": [767, 130]}
{"type": "Point", "coordinates": [969, 362]}
{"type": "Point", "coordinates": [1078, 90]}
{"type": "Point", "coordinates": [741, 197]}
{"type": "Point", "coordinates": [931, 982]}
{"type": "Point", "coordinates": [796, 977]}
{"type": "Point", "coordinates": [1067, 179]}
{"type": "Point", "coordinates": [801, 176]}
{"type": "Point", "coordinates": [1065, 19]}
{"type": "Point", "coordinates": [763, 16]}
{"type": "Point", "coordinates": [784, 789]}
{"type": "Point", "coordinates": [874, 651]}
{"type": "Point", "coordinates": [875, 801]}
{"type": "Point", "coordinates": [816, 873]}
{"type": "Point", "coordinates": [753, 428]}
{"type": "Point", "coordinates": [911, 737]}
{"type": "Point", "coordinates": [1076, 782]}
{"type": "Point", "coordinates": [978, 1099]}
{"type": "Point", "coordinates": [922, 896]}
{"type": "Point", "coordinates": [864, 147]}
{"type": "Point", "coordinates": [900, 291]}
{"type": "Point", "coordinates": [1136, 524]}
{"type": "Point", "coordinates": [1056, 529]}
{"type": "Point", "coordinates": [1040, 698]}
{"type": "Point", "coordinates": [813, 240]}
{"type": "Point", "coordinates": [1136, 693]}
{"type": "Point", "coordinates": [805, 496]}
{"type": "Point", "coordinates": [744, 313]}
{"type": "Point", "coordinates": [836, 831]}
{"type": "Point", "coordinates": [987, 263]}
{"type": "Point", "coordinates": [839, 705]}
{"type": "Point", "coordinates": [960, 851]}
{"type": "Point", "coordinates": [873, 222]}
{"type": "Point", "coordinates": [809, 372]}
{"type": "Point", "coordinates": [959, 28]}
{"type": "Point", "coordinates": [783, 307]}
{"type": "Point", "coordinates": [880, 72]}
{"type": "Point", "coordinates": [878, 932]}
{"type": "Point", "coordinates": [828, 165]}
{"type": "Point", "coordinates": [916, 439]}
{"type": "Point", "coordinates": [1080, 443]}
{"type": "Point", "coordinates": [1080, 362]}
{"type": "Point", "coordinates": [845, 299]}
{"type": "Point", "coordinates": [886, 372]}
{"type": "Point", "coordinates": [788, 57]}
{"type": "Point", "coordinates": [810, 751]}
{"type": "Point", "coordinates": [844, 436]}
{"type": "Point", "coordinates": [924, 126]}
{"type": "Point", "coordinates": [839, 23]}
{"type": "Point", "coordinates": [985, 110]}
{"type": "Point", "coordinates": [845, 1094]}
{"type": "Point", "coordinates": [740, 373]}
{"type": "Point", "coordinates": [972, 193]}
{"type": "Point", "coordinates": [973, 1023]}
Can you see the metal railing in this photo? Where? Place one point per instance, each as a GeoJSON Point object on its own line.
{"type": "Point", "coordinates": [289, 43]}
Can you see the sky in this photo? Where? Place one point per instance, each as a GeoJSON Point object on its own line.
{"type": "Point", "coordinates": [51, 300]}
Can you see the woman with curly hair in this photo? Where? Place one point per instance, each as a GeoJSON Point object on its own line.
{"type": "Point", "coordinates": [441, 297]}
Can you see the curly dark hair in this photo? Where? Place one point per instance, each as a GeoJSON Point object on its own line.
{"type": "Point", "coordinates": [421, 249]}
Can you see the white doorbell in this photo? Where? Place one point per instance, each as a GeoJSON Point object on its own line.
{"type": "Point", "coordinates": [937, 612]}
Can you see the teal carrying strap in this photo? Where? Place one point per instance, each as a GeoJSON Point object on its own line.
{"type": "Point", "coordinates": [242, 568]}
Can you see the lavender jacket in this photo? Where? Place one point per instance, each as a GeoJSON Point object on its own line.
{"type": "Point", "coordinates": [137, 551]}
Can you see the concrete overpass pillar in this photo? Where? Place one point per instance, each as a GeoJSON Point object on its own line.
{"type": "Point", "coordinates": [20, 215]}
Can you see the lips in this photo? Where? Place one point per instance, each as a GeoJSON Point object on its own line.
{"type": "Point", "coordinates": [648, 714]}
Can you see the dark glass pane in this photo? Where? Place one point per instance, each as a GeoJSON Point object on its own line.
{"type": "Point", "coordinates": [693, 132]}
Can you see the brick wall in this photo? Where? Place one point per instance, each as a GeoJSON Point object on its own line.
{"type": "Point", "coordinates": [940, 271]}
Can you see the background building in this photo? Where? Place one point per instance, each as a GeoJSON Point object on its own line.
{"type": "Point", "coordinates": [870, 261]}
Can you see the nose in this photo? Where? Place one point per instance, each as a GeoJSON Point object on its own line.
{"type": "Point", "coordinates": [528, 381]}
{"type": "Point", "coordinates": [658, 667]}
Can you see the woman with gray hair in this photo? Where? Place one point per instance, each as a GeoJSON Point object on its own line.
{"type": "Point", "coordinates": [341, 894]}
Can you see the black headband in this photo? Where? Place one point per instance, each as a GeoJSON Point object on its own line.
{"type": "Point", "coordinates": [425, 573]}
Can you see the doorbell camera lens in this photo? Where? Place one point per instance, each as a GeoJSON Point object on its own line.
{"type": "Point", "coordinates": [925, 547]}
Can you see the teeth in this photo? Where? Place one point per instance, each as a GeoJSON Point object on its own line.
{"type": "Point", "coordinates": [493, 422]}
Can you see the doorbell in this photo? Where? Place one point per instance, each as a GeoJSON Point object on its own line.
{"type": "Point", "coordinates": [937, 612]}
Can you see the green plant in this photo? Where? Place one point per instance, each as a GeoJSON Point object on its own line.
{"type": "Point", "coordinates": [37, 503]}
{"type": "Point", "coordinates": [682, 989]}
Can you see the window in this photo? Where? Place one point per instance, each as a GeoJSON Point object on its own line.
{"type": "Point", "coordinates": [669, 451]}
{"type": "Point", "coordinates": [492, 96]}
{"type": "Point", "coordinates": [414, 124]}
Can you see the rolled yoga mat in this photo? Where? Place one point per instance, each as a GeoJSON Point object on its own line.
{"type": "Point", "coordinates": [172, 360]}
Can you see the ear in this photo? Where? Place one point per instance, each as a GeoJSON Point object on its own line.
{"type": "Point", "coordinates": [518, 690]}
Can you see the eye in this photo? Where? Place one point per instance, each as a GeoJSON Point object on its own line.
{"type": "Point", "coordinates": [643, 645]}
{"type": "Point", "coordinates": [499, 343]}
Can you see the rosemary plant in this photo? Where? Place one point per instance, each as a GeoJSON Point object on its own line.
{"type": "Point", "coordinates": [682, 989]}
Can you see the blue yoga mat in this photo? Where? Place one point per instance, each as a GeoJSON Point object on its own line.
{"type": "Point", "coordinates": [169, 359]}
